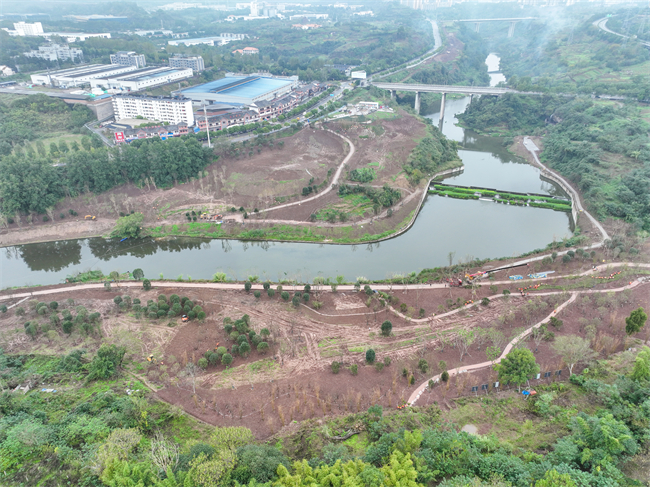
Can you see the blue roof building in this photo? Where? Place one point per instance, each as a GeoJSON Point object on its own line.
{"type": "Point", "coordinates": [245, 90]}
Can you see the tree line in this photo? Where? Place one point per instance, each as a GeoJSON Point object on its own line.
{"type": "Point", "coordinates": [35, 184]}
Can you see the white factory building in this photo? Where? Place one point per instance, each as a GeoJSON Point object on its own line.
{"type": "Point", "coordinates": [23, 29]}
{"type": "Point", "coordinates": [160, 108]}
{"type": "Point", "coordinates": [220, 40]}
{"type": "Point", "coordinates": [140, 78]}
{"type": "Point", "coordinates": [78, 76]}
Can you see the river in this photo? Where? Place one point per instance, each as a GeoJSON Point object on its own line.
{"type": "Point", "coordinates": [468, 228]}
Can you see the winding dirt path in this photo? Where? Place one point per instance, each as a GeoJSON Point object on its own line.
{"type": "Point", "coordinates": [466, 368]}
{"type": "Point", "coordinates": [330, 187]}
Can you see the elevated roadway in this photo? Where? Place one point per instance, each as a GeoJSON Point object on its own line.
{"type": "Point", "coordinates": [602, 25]}
{"type": "Point", "coordinates": [513, 21]}
{"type": "Point", "coordinates": [444, 89]}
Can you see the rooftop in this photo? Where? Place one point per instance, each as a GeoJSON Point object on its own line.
{"type": "Point", "coordinates": [247, 87]}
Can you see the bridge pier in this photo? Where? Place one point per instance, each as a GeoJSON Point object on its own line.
{"type": "Point", "coordinates": [511, 29]}
{"type": "Point", "coordinates": [441, 120]}
{"type": "Point", "coordinates": [477, 26]}
{"type": "Point", "coordinates": [417, 102]}
{"type": "Point", "coordinates": [471, 98]}
{"type": "Point", "coordinates": [392, 94]}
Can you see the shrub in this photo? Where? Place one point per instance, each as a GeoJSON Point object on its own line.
{"type": "Point", "coordinates": [379, 366]}
{"type": "Point", "coordinates": [305, 297]}
{"type": "Point", "coordinates": [295, 301]}
{"type": "Point", "coordinates": [54, 305]}
{"type": "Point", "coordinates": [386, 328]}
{"type": "Point", "coordinates": [335, 367]}
{"type": "Point", "coordinates": [403, 307]}
{"type": "Point", "coordinates": [257, 294]}
{"type": "Point", "coordinates": [285, 296]}
{"type": "Point", "coordinates": [20, 311]}
{"type": "Point", "coordinates": [226, 359]}
{"type": "Point", "coordinates": [555, 323]}
{"type": "Point", "coordinates": [566, 258]}
{"type": "Point", "coordinates": [67, 326]}
{"type": "Point", "coordinates": [444, 376]}
{"type": "Point", "coordinates": [485, 301]}
{"type": "Point", "coordinates": [3, 308]}
{"type": "Point", "coordinates": [247, 286]}
{"type": "Point", "coordinates": [370, 356]}
{"type": "Point", "coordinates": [387, 361]}
{"type": "Point", "coordinates": [422, 313]}
{"type": "Point", "coordinates": [423, 365]}
{"type": "Point", "coordinates": [354, 369]}
{"type": "Point", "coordinates": [203, 363]}
{"type": "Point", "coordinates": [270, 292]}
{"type": "Point", "coordinates": [146, 284]}
{"type": "Point", "coordinates": [117, 300]}
{"type": "Point", "coordinates": [262, 347]}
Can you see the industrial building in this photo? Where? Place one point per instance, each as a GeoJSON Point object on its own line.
{"type": "Point", "coordinates": [95, 18]}
{"type": "Point", "coordinates": [36, 29]}
{"type": "Point", "coordinates": [128, 58]}
{"type": "Point", "coordinates": [195, 63]}
{"type": "Point", "coordinates": [244, 90]}
{"type": "Point", "coordinates": [80, 75]}
{"type": "Point", "coordinates": [56, 52]}
{"type": "Point", "coordinates": [220, 40]}
{"type": "Point", "coordinates": [161, 108]}
{"type": "Point", "coordinates": [140, 79]}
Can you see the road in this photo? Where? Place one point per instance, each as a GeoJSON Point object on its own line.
{"type": "Point", "coordinates": [464, 90]}
{"type": "Point", "coordinates": [437, 44]}
{"type": "Point", "coordinates": [602, 25]}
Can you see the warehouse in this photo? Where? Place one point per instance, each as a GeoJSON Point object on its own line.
{"type": "Point", "coordinates": [244, 90]}
{"type": "Point", "coordinates": [80, 75]}
{"type": "Point", "coordinates": [141, 78]}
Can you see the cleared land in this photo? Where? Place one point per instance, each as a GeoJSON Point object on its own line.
{"type": "Point", "coordinates": [293, 380]}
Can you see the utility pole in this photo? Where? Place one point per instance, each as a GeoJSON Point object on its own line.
{"type": "Point", "coordinates": [207, 127]}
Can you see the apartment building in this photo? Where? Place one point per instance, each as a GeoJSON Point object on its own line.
{"type": "Point", "coordinates": [195, 63]}
{"type": "Point", "coordinates": [128, 58]}
{"type": "Point", "coordinates": [160, 108]}
{"type": "Point", "coordinates": [57, 52]}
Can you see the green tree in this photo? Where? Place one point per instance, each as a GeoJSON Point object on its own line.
{"type": "Point", "coordinates": [285, 295]}
{"type": "Point", "coordinates": [573, 350]}
{"type": "Point", "coordinates": [517, 367]}
{"type": "Point", "coordinates": [138, 274]}
{"type": "Point", "coordinates": [262, 347]}
{"type": "Point", "coordinates": [635, 321]}
{"type": "Point", "coordinates": [386, 328]}
{"type": "Point", "coordinates": [247, 286]}
{"type": "Point", "coordinates": [226, 359]}
{"type": "Point", "coordinates": [554, 479]}
{"type": "Point", "coordinates": [336, 366]}
{"type": "Point", "coordinates": [54, 305]}
{"type": "Point", "coordinates": [146, 284]}
{"type": "Point", "coordinates": [370, 356]}
{"type": "Point", "coordinates": [203, 363]}
{"type": "Point", "coordinates": [128, 226]}
{"type": "Point", "coordinates": [641, 369]}
{"type": "Point", "coordinates": [107, 362]}
{"type": "Point", "coordinates": [258, 462]}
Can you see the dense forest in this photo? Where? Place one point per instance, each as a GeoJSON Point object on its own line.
{"type": "Point", "coordinates": [36, 117]}
{"type": "Point", "coordinates": [600, 146]}
{"type": "Point", "coordinates": [432, 154]}
{"type": "Point", "coordinates": [100, 436]}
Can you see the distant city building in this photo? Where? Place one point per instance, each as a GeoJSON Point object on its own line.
{"type": "Point", "coordinates": [6, 71]}
{"type": "Point", "coordinates": [368, 13]}
{"type": "Point", "coordinates": [36, 29]}
{"type": "Point", "coordinates": [185, 6]}
{"type": "Point", "coordinates": [25, 29]}
{"type": "Point", "coordinates": [89, 18]}
{"type": "Point", "coordinates": [220, 40]}
{"type": "Point", "coordinates": [306, 26]}
{"type": "Point", "coordinates": [247, 51]}
{"type": "Point", "coordinates": [195, 63]}
{"type": "Point", "coordinates": [358, 75]}
{"type": "Point", "coordinates": [309, 16]}
{"type": "Point", "coordinates": [57, 52]}
{"type": "Point", "coordinates": [128, 58]}
{"type": "Point", "coordinates": [159, 108]}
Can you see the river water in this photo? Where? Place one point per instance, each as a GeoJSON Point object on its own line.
{"type": "Point", "coordinates": [468, 228]}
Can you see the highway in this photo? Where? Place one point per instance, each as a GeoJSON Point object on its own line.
{"type": "Point", "coordinates": [602, 25]}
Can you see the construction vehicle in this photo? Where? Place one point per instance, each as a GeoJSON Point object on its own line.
{"type": "Point", "coordinates": [90, 217]}
{"type": "Point", "coordinates": [184, 318]}
{"type": "Point", "coordinates": [151, 359]}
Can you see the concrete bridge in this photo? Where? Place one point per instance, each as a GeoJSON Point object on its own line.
{"type": "Point", "coordinates": [511, 29]}
{"type": "Point", "coordinates": [444, 89]}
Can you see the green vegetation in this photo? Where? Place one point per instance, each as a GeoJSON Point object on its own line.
{"type": "Point", "coordinates": [31, 183]}
{"type": "Point", "coordinates": [129, 226]}
{"type": "Point", "coordinates": [362, 175]}
{"type": "Point", "coordinates": [432, 154]}
{"type": "Point", "coordinates": [35, 118]}
{"type": "Point", "coordinates": [499, 197]}
{"type": "Point", "coordinates": [599, 146]}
